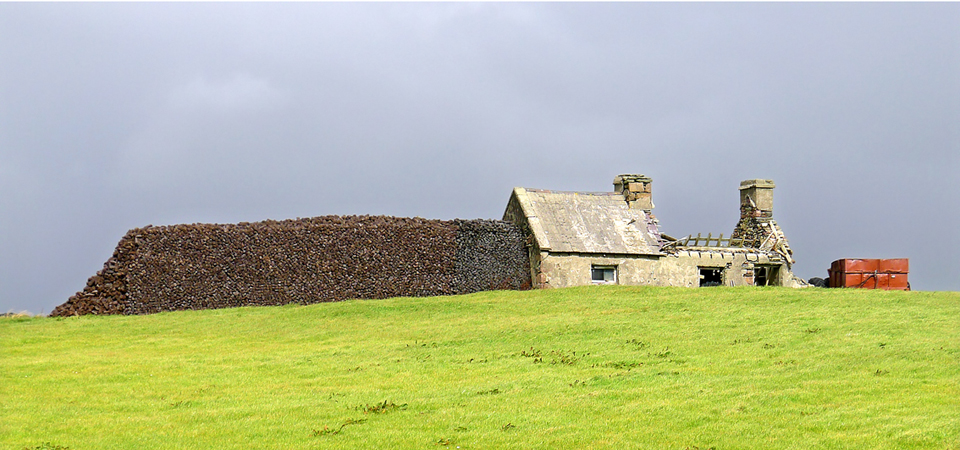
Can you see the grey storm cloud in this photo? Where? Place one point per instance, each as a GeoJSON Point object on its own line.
{"type": "Point", "coordinates": [115, 116]}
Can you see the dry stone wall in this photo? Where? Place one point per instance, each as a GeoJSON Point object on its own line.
{"type": "Point", "coordinates": [321, 259]}
{"type": "Point", "coordinates": [491, 255]}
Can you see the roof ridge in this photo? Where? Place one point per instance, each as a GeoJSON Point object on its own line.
{"type": "Point", "coordinates": [554, 191]}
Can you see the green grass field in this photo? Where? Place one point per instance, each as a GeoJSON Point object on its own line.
{"type": "Point", "coordinates": [591, 367]}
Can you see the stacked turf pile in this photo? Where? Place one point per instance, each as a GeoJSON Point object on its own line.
{"type": "Point", "coordinates": [321, 259]}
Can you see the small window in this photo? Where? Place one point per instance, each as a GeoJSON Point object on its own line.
{"type": "Point", "coordinates": [603, 274]}
{"type": "Point", "coordinates": [711, 276]}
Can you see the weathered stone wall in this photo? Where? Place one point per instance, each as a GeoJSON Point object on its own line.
{"type": "Point", "coordinates": [681, 268]}
{"type": "Point", "coordinates": [737, 266]}
{"type": "Point", "coordinates": [320, 259]}
{"type": "Point", "coordinates": [491, 255]}
{"type": "Point", "coordinates": [514, 214]}
{"type": "Point", "coordinates": [560, 270]}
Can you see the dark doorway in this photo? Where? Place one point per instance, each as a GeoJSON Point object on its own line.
{"type": "Point", "coordinates": [711, 276]}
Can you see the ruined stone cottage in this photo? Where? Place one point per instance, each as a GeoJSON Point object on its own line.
{"type": "Point", "coordinates": [581, 238]}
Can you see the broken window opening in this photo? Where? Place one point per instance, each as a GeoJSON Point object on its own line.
{"type": "Point", "coordinates": [711, 276]}
{"type": "Point", "coordinates": [765, 275]}
{"type": "Point", "coordinates": [603, 274]}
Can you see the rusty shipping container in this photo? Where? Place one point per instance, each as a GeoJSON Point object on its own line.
{"type": "Point", "coordinates": [887, 274]}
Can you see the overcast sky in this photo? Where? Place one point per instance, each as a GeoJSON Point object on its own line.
{"type": "Point", "coordinates": [116, 116]}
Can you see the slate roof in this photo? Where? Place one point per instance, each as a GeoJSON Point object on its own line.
{"type": "Point", "coordinates": [588, 222]}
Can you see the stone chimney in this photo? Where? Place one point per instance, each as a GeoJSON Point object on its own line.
{"type": "Point", "coordinates": [636, 190]}
{"type": "Point", "coordinates": [756, 199]}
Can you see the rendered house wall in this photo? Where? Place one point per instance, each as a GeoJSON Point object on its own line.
{"type": "Point", "coordinates": [573, 269]}
{"type": "Point", "coordinates": [559, 270]}
{"type": "Point", "coordinates": [739, 267]}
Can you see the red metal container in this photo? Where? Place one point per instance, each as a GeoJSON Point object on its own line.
{"type": "Point", "coordinates": [901, 265]}
{"type": "Point", "coordinates": [856, 265]}
{"type": "Point", "coordinates": [870, 273]}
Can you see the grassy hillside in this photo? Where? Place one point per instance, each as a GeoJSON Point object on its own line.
{"type": "Point", "coordinates": [592, 367]}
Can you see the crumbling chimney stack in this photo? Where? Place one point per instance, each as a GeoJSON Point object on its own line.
{"type": "Point", "coordinates": [756, 199]}
{"type": "Point", "coordinates": [636, 190]}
